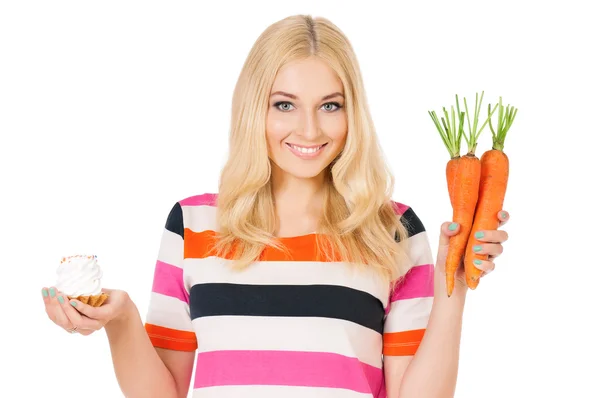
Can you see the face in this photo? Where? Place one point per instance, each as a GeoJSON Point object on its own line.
{"type": "Point", "coordinates": [306, 121]}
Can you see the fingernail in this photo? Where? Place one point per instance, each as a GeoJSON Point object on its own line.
{"type": "Point", "coordinates": [479, 235]}
{"type": "Point", "coordinates": [477, 262]}
{"type": "Point", "coordinates": [61, 299]}
{"type": "Point", "coordinates": [44, 292]}
{"type": "Point", "coordinates": [453, 226]}
{"type": "Point", "coordinates": [477, 248]}
{"type": "Point", "coordinates": [74, 303]}
{"type": "Point", "coordinates": [503, 214]}
{"type": "Point", "coordinates": [52, 292]}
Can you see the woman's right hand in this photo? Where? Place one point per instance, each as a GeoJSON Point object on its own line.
{"type": "Point", "coordinates": [75, 316]}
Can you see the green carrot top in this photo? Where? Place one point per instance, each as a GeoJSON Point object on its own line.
{"type": "Point", "coordinates": [505, 120]}
{"type": "Point", "coordinates": [449, 133]}
{"type": "Point", "coordinates": [452, 136]}
{"type": "Point", "coordinates": [473, 133]}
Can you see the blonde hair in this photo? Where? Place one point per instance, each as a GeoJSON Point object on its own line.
{"type": "Point", "coordinates": [359, 221]}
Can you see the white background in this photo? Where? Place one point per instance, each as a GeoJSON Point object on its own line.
{"type": "Point", "coordinates": [110, 112]}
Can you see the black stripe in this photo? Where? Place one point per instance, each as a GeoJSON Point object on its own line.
{"type": "Point", "coordinates": [412, 223]}
{"type": "Point", "coordinates": [175, 220]}
{"type": "Point", "coordinates": [328, 301]}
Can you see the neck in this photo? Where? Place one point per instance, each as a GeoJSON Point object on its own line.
{"type": "Point", "coordinates": [303, 196]}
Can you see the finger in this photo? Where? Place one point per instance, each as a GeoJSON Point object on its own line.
{"type": "Point", "coordinates": [491, 236]}
{"type": "Point", "coordinates": [493, 249]}
{"type": "Point", "coordinates": [79, 321]}
{"type": "Point", "coordinates": [447, 230]}
{"type": "Point", "coordinates": [55, 311]}
{"type": "Point", "coordinates": [93, 313]}
{"type": "Point", "coordinates": [485, 266]}
{"type": "Point", "coordinates": [48, 303]}
{"type": "Point", "coordinates": [503, 216]}
{"type": "Point", "coordinates": [45, 295]}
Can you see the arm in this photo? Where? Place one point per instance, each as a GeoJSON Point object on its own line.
{"type": "Point", "coordinates": [156, 358]}
{"type": "Point", "coordinates": [142, 370]}
{"type": "Point", "coordinates": [422, 330]}
{"type": "Point", "coordinates": [433, 370]}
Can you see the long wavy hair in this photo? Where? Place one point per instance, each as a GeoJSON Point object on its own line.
{"type": "Point", "coordinates": [359, 224]}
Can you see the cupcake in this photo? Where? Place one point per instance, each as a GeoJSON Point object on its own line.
{"type": "Point", "coordinates": [79, 277]}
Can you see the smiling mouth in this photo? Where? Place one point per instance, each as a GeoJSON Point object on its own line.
{"type": "Point", "coordinates": [311, 150]}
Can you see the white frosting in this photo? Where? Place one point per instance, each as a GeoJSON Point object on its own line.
{"type": "Point", "coordinates": [79, 275]}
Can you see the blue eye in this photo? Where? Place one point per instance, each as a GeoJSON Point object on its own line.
{"type": "Point", "coordinates": [278, 106]}
{"type": "Point", "coordinates": [336, 104]}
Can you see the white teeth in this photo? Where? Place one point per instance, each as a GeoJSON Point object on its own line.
{"type": "Point", "coordinates": [306, 150]}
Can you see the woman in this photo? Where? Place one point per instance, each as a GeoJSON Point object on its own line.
{"type": "Point", "coordinates": [317, 283]}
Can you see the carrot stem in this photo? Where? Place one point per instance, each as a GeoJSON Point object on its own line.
{"type": "Point", "coordinates": [448, 132]}
{"type": "Point", "coordinates": [504, 123]}
{"type": "Point", "coordinates": [473, 133]}
{"type": "Point", "coordinates": [444, 135]}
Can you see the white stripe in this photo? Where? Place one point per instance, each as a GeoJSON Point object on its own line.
{"type": "Point", "coordinates": [289, 334]}
{"type": "Point", "coordinates": [275, 392]}
{"type": "Point", "coordinates": [419, 249]}
{"type": "Point", "coordinates": [408, 314]}
{"type": "Point", "coordinates": [200, 217]}
{"type": "Point", "coordinates": [171, 249]}
{"type": "Point", "coordinates": [168, 312]}
{"type": "Point", "coordinates": [217, 270]}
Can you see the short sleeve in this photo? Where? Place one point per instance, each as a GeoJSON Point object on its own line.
{"type": "Point", "coordinates": [168, 322]}
{"type": "Point", "coordinates": [411, 300]}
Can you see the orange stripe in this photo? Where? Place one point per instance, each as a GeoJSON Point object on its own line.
{"type": "Point", "coordinates": [198, 244]}
{"type": "Point", "coordinates": [171, 339]}
{"type": "Point", "coordinates": [402, 343]}
{"type": "Point", "coordinates": [302, 248]}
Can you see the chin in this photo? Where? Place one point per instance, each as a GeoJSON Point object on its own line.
{"type": "Point", "coordinates": [305, 174]}
{"type": "Point", "coordinates": [302, 172]}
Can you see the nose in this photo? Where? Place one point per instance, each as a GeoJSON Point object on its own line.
{"type": "Point", "coordinates": [310, 129]}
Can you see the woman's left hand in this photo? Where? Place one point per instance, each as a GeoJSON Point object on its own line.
{"type": "Point", "coordinates": [491, 245]}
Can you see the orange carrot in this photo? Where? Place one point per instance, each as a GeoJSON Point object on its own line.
{"type": "Point", "coordinates": [465, 189]}
{"type": "Point", "coordinates": [451, 168]}
{"type": "Point", "coordinates": [462, 176]}
{"type": "Point", "coordinates": [492, 190]}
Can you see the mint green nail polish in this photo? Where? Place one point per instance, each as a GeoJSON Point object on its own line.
{"type": "Point", "coordinates": [453, 226]}
{"type": "Point", "coordinates": [504, 215]}
{"type": "Point", "coordinates": [477, 248]}
{"type": "Point", "coordinates": [44, 292]}
{"type": "Point", "coordinates": [477, 262]}
{"type": "Point", "coordinates": [479, 235]}
{"type": "Point", "coordinates": [74, 303]}
{"type": "Point", "coordinates": [61, 299]}
{"type": "Point", "coordinates": [52, 292]}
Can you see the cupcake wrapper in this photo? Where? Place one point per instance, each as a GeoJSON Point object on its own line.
{"type": "Point", "coordinates": [94, 301]}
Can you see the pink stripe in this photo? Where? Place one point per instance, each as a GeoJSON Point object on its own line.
{"type": "Point", "coordinates": [399, 208]}
{"type": "Point", "coordinates": [418, 282]}
{"type": "Point", "coordinates": [289, 368]}
{"type": "Point", "coordinates": [168, 280]}
{"type": "Point", "coordinates": [207, 199]}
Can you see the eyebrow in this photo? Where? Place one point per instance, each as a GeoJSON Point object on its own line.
{"type": "Point", "coordinates": [292, 96]}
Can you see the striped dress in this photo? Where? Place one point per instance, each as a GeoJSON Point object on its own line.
{"type": "Point", "coordinates": [288, 326]}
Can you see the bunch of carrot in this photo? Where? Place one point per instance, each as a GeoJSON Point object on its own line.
{"type": "Point", "coordinates": [477, 187]}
